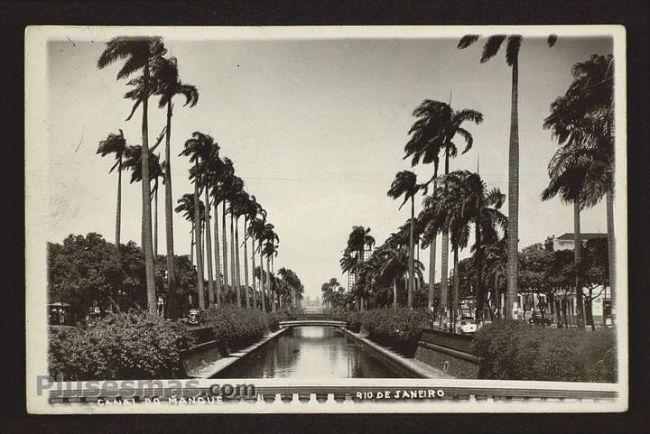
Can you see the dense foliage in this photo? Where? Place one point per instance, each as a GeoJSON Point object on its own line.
{"type": "Point", "coordinates": [398, 329]}
{"type": "Point", "coordinates": [513, 350]}
{"type": "Point", "coordinates": [83, 271]}
{"type": "Point", "coordinates": [235, 328]}
{"type": "Point", "coordinates": [119, 347]}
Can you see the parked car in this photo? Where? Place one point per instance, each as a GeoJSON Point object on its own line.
{"type": "Point", "coordinates": [466, 325]}
{"type": "Point", "coordinates": [537, 319]}
{"type": "Point", "coordinates": [195, 317]}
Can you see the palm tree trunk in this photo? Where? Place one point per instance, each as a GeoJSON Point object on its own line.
{"type": "Point", "coordinates": [411, 256]}
{"type": "Point", "coordinates": [248, 303]}
{"type": "Point", "coordinates": [263, 279]}
{"type": "Point", "coordinates": [444, 264]}
{"type": "Point", "coordinates": [444, 259]}
{"type": "Point", "coordinates": [432, 272]}
{"type": "Point", "coordinates": [611, 250]}
{"type": "Point", "coordinates": [172, 302]}
{"type": "Point", "coordinates": [192, 246]}
{"type": "Point", "coordinates": [208, 248]}
{"type": "Point", "coordinates": [394, 293]}
{"type": "Point", "coordinates": [268, 282]}
{"type": "Point", "coordinates": [233, 260]}
{"type": "Point", "coordinates": [578, 260]}
{"type": "Point", "coordinates": [480, 288]}
{"type": "Point", "coordinates": [146, 201]}
{"type": "Point", "coordinates": [199, 247]}
{"type": "Point", "coordinates": [456, 301]}
{"type": "Point", "coordinates": [155, 221]}
{"type": "Point", "coordinates": [253, 272]}
{"type": "Point", "coordinates": [226, 281]}
{"type": "Point", "coordinates": [118, 213]}
{"type": "Point", "coordinates": [513, 197]}
{"type": "Point", "coordinates": [217, 259]}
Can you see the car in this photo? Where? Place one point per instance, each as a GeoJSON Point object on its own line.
{"type": "Point", "coordinates": [537, 319]}
{"type": "Point", "coordinates": [195, 317]}
{"type": "Point", "coordinates": [466, 326]}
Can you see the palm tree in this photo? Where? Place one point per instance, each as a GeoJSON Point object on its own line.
{"type": "Point", "coordinates": [582, 122]}
{"type": "Point", "coordinates": [221, 192]}
{"type": "Point", "coordinates": [405, 184]}
{"type": "Point", "coordinates": [213, 174]}
{"type": "Point", "coordinates": [567, 173]}
{"type": "Point", "coordinates": [269, 249]}
{"type": "Point", "coordinates": [234, 191]}
{"type": "Point", "coordinates": [198, 148]}
{"type": "Point", "coordinates": [115, 144]}
{"type": "Point", "coordinates": [170, 86]}
{"type": "Point", "coordinates": [139, 53]}
{"type": "Point", "coordinates": [239, 207]}
{"type": "Point", "coordinates": [358, 240]}
{"type": "Point", "coordinates": [496, 259]}
{"type": "Point", "coordinates": [186, 205]}
{"type": "Point", "coordinates": [133, 162]}
{"type": "Point", "coordinates": [394, 260]}
{"type": "Point", "coordinates": [250, 211]}
{"type": "Point", "coordinates": [490, 49]}
{"type": "Point", "coordinates": [255, 231]}
{"type": "Point", "coordinates": [434, 132]}
{"type": "Point", "coordinates": [480, 206]}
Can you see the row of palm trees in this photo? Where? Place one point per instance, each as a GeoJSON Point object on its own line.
{"type": "Point", "coordinates": [581, 172]}
{"type": "Point", "coordinates": [154, 75]}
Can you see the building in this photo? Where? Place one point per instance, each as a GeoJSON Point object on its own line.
{"type": "Point", "coordinates": [566, 241]}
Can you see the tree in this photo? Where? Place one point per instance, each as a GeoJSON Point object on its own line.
{"type": "Point", "coordinates": [434, 132]}
{"type": "Point", "coordinates": [480, 206]}
{"type": "Point", "coordinates": [582, 122]}
{"type": "Point", "coordinates": [405, 184]}
{"type": "Point", "coordinates": [139, 53]}
{"type": "Point", "coordinates": [187, 206]}
{"type": "Point", "coordinates": [169, 87]}
{"type": "Point", "coordinates": [198, 149]}
{"type": "Point", "coordinates": [490, 49]}
{"type": "Point", "coordinates": [115, 144]}
{"type": "Point", "coordinates": [358, 239]}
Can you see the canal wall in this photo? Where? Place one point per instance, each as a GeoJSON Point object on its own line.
{"type": "Point", "coordinates": [206, 360]}
{"type": "Point", "coordinates": [409, 368]}
{"type": "Point", "coordinates": [451, 353]}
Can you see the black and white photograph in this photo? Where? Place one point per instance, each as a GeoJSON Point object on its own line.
{"type": "Point", "coordinates": [427, 219]}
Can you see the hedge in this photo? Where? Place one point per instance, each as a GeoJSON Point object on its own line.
{"type": "Point", "coordinates": [119, 347]}
{"type": "Point", "coordinates": [398, 329]}
{"type": "Point", "coordinates": [352, 318]}
{"type": "Point", "coordinates": [235, 327]}
{"type": "Point", "coordinates": [513, 350]}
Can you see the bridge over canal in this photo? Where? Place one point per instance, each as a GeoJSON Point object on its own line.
{"type": "Point", "coordinates": [314, 319]}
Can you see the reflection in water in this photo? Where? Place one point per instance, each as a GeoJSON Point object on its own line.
{"type": "Point", "coordinates": [311, 352]}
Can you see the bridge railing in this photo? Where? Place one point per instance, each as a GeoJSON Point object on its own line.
{"type": "Point", "coordinates": [432, 394]}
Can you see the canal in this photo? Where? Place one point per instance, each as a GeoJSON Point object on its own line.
{"type": "Point", "coordinates": [312, 352]}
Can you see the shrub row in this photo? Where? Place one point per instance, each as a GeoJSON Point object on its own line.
{"type": "Point", "coordinates": [351, 317]}
{"type": "Point", "coordinates": [398, 329]}
{"type": "Point", "coordinates": [235, 327]}
{"type": "Point", "coordinates": [513, 350]}
{"type": "Point", "coordinates": [119, 347]}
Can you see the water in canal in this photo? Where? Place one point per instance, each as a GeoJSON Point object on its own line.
{"type": "Point", "coordinates": [311, 352]}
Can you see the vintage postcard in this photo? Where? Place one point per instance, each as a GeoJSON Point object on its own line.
{"type": "Point", "coordinates": [326, 219]}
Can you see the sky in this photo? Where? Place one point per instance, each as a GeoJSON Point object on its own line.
{"type": "Point", "coordinates": [315, 128]}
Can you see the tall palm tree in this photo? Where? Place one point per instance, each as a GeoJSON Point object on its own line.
{"type": "Point", "coordinates": [115, 144]}
{"type": "Point", "coordinates": [405, 184]}
{"type": "Point", "coordinates": [221, 190]}
{"type": "Point", "coordinates": [198, 149]}
{"type": "Point", "coordinates": [490, 49]}
{"type": "Point", "coordinates": [138, 54]}
{"type": "Point", "coordinates": [480, 206]}
{"type": "Point", "coordinates": [235, 190]}
{"type": "Point", "coordinates": [240, 206]}
{"type": "Point", "coordinates": [250, 211]}
{"type": "Point", "coordinates": [358, 240]}
{"type": "Point", "coordinates": [186, 206]}
{"type": "Point", "coordinates": [268, 249]}
{"type": "Point", "coordinates": [582, 121]}
{"type": "Point", "coordinates": [433, 133]}
{"type": "Point", "coordinates": [567, 173]}
{"type": "Point", "coordinates": [169, 87]}
{"type": "Point", "coordinates": [255, 231]}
